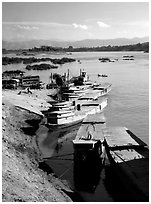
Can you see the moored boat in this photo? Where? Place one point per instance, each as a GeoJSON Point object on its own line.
{"type": "Point", "coordinates": [102, 75]}
{"type": "Point", "coordinates": [129, 159]}
{"type": "Point", "coordinates": [63, 117]}
{"type": "Point", "coordinates": [75, 92]}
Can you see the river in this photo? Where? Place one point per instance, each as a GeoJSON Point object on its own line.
{"type": "Point", "coordinates": [128, 106]}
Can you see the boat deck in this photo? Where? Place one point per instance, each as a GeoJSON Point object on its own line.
{"type": "Point", "coordinates": [120, 137]}
{"type": "Point", "coordinates": [91, 125]}
{"type": "Point", "coordinates": [90, 95]}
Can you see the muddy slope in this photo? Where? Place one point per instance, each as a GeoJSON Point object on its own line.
{"type": "Point", "coordinates": [22, 180]}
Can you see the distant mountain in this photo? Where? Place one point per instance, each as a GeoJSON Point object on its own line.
{"type": "Point", "coordinates": [75, 44]}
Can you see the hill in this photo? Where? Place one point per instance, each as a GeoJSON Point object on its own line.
{"type": "Point", "coordinates": [75, 44]}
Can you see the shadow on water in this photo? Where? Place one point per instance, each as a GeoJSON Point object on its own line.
{"type": "Point", "coordinates": [50, 142]}
{"type": "Point", "coordinates": [114, 186]}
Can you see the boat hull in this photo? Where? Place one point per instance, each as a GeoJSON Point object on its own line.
{"type": "Point", "coordinates": [128, 173]}
{"type": "Point", "coordinates": [63, 126]}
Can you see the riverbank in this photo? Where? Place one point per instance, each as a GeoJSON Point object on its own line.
{"type": "Point", "coordinates": [33, 102]}
{"type": "Point", "coordinates": [22, 178]}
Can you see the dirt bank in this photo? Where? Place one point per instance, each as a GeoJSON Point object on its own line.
{"type": "Point", "coordinates": [22, 180]}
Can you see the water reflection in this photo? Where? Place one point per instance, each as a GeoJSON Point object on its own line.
{"type": "Point", "coordinates": [51, 142]}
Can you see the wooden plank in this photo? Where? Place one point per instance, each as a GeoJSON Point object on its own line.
{"type": "Point", "coordinates": [118, 136]}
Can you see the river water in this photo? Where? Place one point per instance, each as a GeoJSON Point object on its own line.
{"type": "Point", "coordinates": [128, 106]}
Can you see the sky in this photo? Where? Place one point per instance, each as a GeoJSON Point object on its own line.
{"type": "Point", "coordinates": [74, 21]}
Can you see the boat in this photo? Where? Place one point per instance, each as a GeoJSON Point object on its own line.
{"type": "Point", "coordinates": [88, 141]}
{"type": "Point", "coordinates": [102, 75]}
{"type": "Point", "coordinates": [104, 88]}
{"type": "Point", "coordinates": [129, 159]}
{"type": "Point", "coordinates": [82, 79]}
{"type": "Point", "coordinates": [91, 95]}
{"type": "Point", "coordinates": [63, 116]}
{"type": "Point", "coordinates": [74, 92]}
{"type": "Point", "coordinates": [127, 57]}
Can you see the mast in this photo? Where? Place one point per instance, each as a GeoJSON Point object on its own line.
{"type": "Point", "coordinates": [68, 76]}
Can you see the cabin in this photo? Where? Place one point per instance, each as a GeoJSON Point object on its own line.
{"type": "Point", "coordinates": [84, 75]}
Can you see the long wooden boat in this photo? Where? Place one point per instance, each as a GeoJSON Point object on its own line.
{"type": "Point", "coordinates": [88, 141]}
{"type": "Point", "coordinates": [75, 92]}
{"type": "Point", "coordinates": [63, 117]}
{"type": "Point", "coordinates": [129, 159]}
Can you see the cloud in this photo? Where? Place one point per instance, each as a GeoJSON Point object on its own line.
{"type": "Point", "coordinates": [103, 25]}
{"type": "Point", "coordinates": [36, 23]}
{"type": "Point", "coordinates": [138, 23]}
{"type": "Point", "coordinates": [35, 28]}
{"type": "Point", "coordinates": [26, 27]}
{"type": "Point", "coordinates": [80, 26]}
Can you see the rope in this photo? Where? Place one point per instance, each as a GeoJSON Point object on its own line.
{"type": "Point", "coordinates": [65, 171]}
{"type": "Point", "coordinates": [59, 156]}
{"type": "Point", "coordinates": [61, 159]}
{"type": "Point", "coordinates": [89, 125]}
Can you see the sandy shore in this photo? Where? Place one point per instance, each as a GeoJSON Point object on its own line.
{"type": "Point", "coordinates": [34, 102]}
{"type": "Point", "coordinates": [22, 180]}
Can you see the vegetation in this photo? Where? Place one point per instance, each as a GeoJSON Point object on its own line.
{"type": "Point", "coordinates": [13, 72]}
{"type": "Point", "coordinates": [16, 60]}
{"type": "Point", "coordinates": [137, 47]}
{"type": "Point", "coordinates": [40, 67]}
